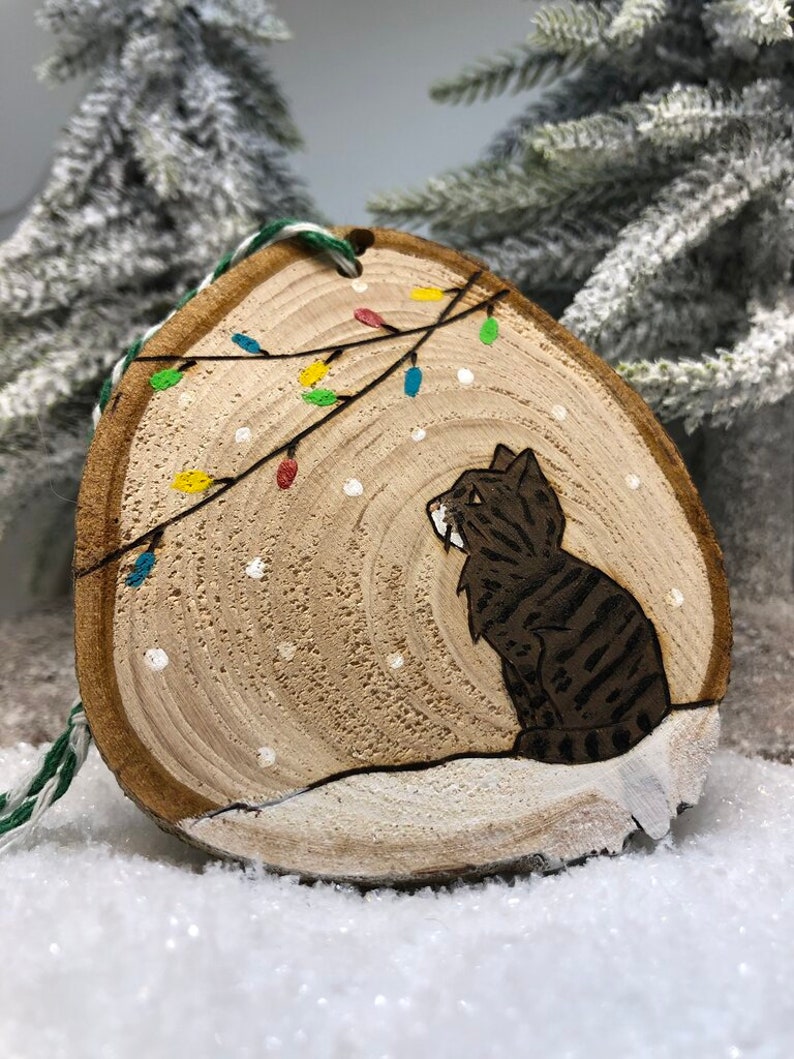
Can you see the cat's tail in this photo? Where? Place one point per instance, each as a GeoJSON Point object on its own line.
{"type": "Point", "coordinates": [579, 746]}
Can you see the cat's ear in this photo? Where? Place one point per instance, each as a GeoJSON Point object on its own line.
{"type": "Point", "coordinates": [502, 458]}
{"type": "Point", "coordinates": [525, 467]}
{"type": "Point", "coordinates": [526, 475]}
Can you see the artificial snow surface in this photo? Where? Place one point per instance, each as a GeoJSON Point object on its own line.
{"type": "Point", "coordinates": [119, 942]}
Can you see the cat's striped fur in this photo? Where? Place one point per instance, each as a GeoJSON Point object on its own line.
{"type": "Point", "coordinates": [580, 659]}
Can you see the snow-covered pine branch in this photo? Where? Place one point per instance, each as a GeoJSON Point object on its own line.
{"type": "Point", "coordinates": [663, 126]}
{"type": "Point", "coordinates": [259, 96]}
{"type": "Point", "coordinates": [721, 386]}
{"type": "Point", "coordinates": [689, 115]}
{"type": "Point", "coordinates": [554, 256]}
{"type": "Point", "coordinates": [737, 22]}
{"type": "Point", "coordinates": [708, 195]}
{"type": "Point", "coordinates": [516, 70]}
{"type": "Point", "coordinates": [491, 199]}
{"type": "Point", "coordinates": [610, 138]}
{"type": "Point", "coordinates": [691, 309]}
{"type": "Point", "coordinates": [575, 30]}
{"type": "Point", "coordinates": [457, 199]}
{"type": "Point", "coordinates": [634, 18]}
{"type": "Point", "coordinates": [588, 91]}
{"type": "Point", "coordinates": [51, 371]}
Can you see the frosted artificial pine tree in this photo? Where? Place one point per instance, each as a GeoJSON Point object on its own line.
{"type": "Point", "coordinates": [647, 199]}
{"type": "Point", "coordinates": [175, 153]}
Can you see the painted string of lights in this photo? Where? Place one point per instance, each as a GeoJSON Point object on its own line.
{"type": "Point", "coordinates": [196, 481]}
{"type": "Point", "coordinates": [24, 805]}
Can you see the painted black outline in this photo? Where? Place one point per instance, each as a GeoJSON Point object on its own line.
{"type": "Point", "coordinates": [360, 770]}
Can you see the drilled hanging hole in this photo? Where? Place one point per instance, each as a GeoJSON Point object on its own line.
{"type": "Point", "coordinates": [356, 264]}
{"type": "Point", "coordinates": [361, 239]}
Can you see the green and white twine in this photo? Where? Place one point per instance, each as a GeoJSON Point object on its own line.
{"type": "Point", "coordinates": [26, 803]}
{"type": "Point", "coordinates": [339, 250]}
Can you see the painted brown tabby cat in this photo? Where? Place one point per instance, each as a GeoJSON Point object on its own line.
{"type": "Point", "coordinates": [580, 659]}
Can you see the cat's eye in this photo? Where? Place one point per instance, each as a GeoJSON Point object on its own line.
{"type": "Point", "coordinates": [474, 497]}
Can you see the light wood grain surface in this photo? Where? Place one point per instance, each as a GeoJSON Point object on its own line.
{"type": "Point", "coordinates": [285, 636]}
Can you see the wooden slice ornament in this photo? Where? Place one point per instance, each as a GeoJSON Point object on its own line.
{"type": "Point", "coordinates": [391, 579]}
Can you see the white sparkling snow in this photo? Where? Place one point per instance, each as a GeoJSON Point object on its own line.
{"type": "Point", "coordinates": [122, 942]}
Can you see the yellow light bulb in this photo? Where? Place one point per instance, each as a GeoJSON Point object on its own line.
{"type": "Point", "coordinates": [312, 373]}
{"type": "Point", "coordinates": [427, 294]}
{"type": "Point", "coordinates": [192, 481]}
